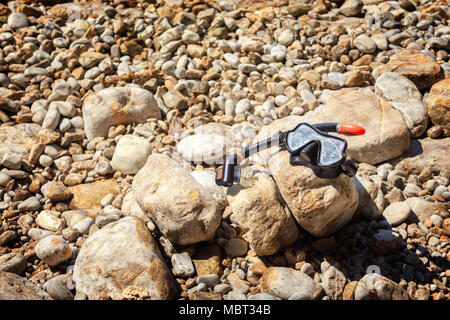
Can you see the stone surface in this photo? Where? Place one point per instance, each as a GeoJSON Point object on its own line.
{"type": "Point", "coordinates": [13, 262]}
{"type": "Point", "coordinates": [385, 242]}
{"type": "Point", "coordinates": [421, 69]}
{"type": "Point", "coordinates": [320, 206]}
{"type": "Point", "coordinates": [421, 210]}
{"type": "Point", "coordinates": [181, 208]}
{"type": "Point", "coordinates": [371, 201]}
{"type": "Point", "coordinates": [207, 181]}
{"type": "Point", "coordinates": [130, 154]}
{"type": "Point", "coordinates": [333, 282]}
{"type": "Point", "coordinates": [57, 288]}
{"type": "Point", "coordinates": [182, 265]}
{"type": "Point", "coordinates": [115, 106]}
{"type": "Point", "coordinates": [397, 212]}
{"type": "Point", "coordinates": [100, 273]}
{"type": "Point", "coordinates": [376, 287]}
{"type": "Point", "coordinates": [15, 287]}
{"type": "Point", "coordinates": [18, 139]}
{"type": "Point", "coordinates": [200, 148]}
{"type": "Point", "coordinates": [261, 212]}
{"type": "Point", "coordinates": [58, 192]}
{"type": "Point", "coordinates": [89, 195]}
{"type": "Point", "coordinates": [439, 105]}
{"type": "Point", "coordinates": [131, 208]}
{"type": "Point", "coordinates": [351, 7]}
{"type": "Point", "coordinates": [53, 250]}
{"type": "Point", "coordinates": [50, 220]}
{"type": "Point", "coordinates": [424, 153]}
{"type": "Point", "coordinates": [284, 282]}
{"type": "Point", "coordinates": [404, 96]}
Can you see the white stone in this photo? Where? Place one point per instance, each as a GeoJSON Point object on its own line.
{"type": "Point", "coordinates": [130, 154]}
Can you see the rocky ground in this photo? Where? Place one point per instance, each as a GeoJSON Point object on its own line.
{"type": "Point", "coordinates": [114, 115]}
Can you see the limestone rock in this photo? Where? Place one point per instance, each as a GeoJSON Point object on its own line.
{"type": "Point", "coordinates": [181, 208]}
{"type": "Point", "coordinates": [439, 105]}
{"type": "Point", "coordinates": [285, 282]}
{"type": "Point", "coordinates": [404, 96]}
{"type": "Point", "coordinates": [88, 196]}
{"type": "Point", "coordinates": [115, 106]}
{"type": "Point", "coordinates": [14, 287]}
{"type": "Point", "coordinates": [425, 153]}
{"type": "Point", "coordinates": [261, 212]}
{"type": "Point", "coordinates": [119, 255]}
{"type": "Point", "coordinates": [130, 154]}
{"type": "Point", "coordinates": [420, 68]}
{"type": "Point", "coordinates": [207, 179]}
{"type": "Point", "coordinates": [374, 286]}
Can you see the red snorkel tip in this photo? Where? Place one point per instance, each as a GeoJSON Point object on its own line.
{"type": "Point", "coordinates": [351, 128]}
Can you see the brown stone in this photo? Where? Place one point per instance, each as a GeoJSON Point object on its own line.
{"type": "Point", "coordinates": [439, 105]}
{"type": "Point", "coordinates": [349, 290]}
{"type": "Point", "coordinates": [421, 69]}
{"type": "Point", "coordinates": [89, 195]}
{"type": "Point", "coordinates": [57, 192]}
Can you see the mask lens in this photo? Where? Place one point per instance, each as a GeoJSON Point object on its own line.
{"type": "Point", "coordinates": [331, 148]}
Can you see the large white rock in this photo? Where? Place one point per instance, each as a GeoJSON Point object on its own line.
{"type": "Point", "coordinates": [207, 179]}
{"type": "Point", "coordinates": [200, 148]}
{"type": "Point", "coordinates": [117, 105]}
{"type": "Point", "coordinates": [130, 154]}
{"type": "Point", "coordinates": [181, 208]}
{"type": "Point", "coordinates": [261, 212]}
{"type": "Point", "coordinates": [131, 208]}
{"type": "Point", "coordinates": [122, 254]}
{"type": "Point", "coordinates": [404, 96]}
{"type": "Point", "coordinates": [320, 206]}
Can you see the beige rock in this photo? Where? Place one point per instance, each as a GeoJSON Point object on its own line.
{"type": "Point", "coordinates": [425, 153]}
{"type": "Point", "coordinates": [120, 255]}
{"type": "Point", "coordinates": [285, 282]}
{"type": "Point", "coordinates": [131, 208]}
{"type": "Point", "coordinates": [207, 180]}
{"type": "Point", "coordinates": [50, 220]}
{"type": "Point", "coordinates": [89, 59]}
{"type": "Point", "coordinates": [181, 208]}
{"type": "Point", "coordinates": [15, 287]}
{"type": "Point", "coordinates": [89, 195]}
{"type": "Point", "coordinates": [371, 199]}
{"type": "Point", "coordinates": [421, 69]}
{"type": "Point", "coordinates": [57, 192]}
{"type": "Point", "coordinates": [374, 286]}
{"type": "Point", "coordinates": [18, 139]}
{"type": "Point", "coordinates": [439, 105]}
{"type": "Point", "coordinates": [421, 210]}
{"type": "Point", "coordinates": [320, 206]}
{"type": "Point", "coordinates": [404, 96]}
{"type": "Point", "coordinates": [53, 250]}
{"type": "Point", "coordinates": [261, 212]}
{"type": "Point", "coordinates": [130, 154]}
{"type": "Point", "coordinates": [386, 134]}
{"type": "Point", "coordinates": [115, 106]}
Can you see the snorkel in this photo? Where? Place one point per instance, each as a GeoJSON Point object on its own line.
{"type": "Point", "coordinates": [305, 143]}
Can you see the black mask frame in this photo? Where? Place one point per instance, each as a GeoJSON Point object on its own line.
{"type": "Point", "coordinates": [311, 152]}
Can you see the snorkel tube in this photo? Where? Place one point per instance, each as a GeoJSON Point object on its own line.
{"type": "Point", "coordinates": [228, 173]}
